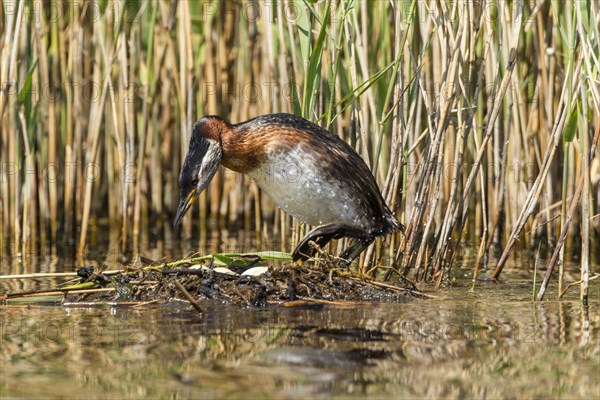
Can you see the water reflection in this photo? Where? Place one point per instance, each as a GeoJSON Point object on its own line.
{"type": "Point", "coordinates": [458, 346]}
{"type": "Point", "coordinates": [493, 343]}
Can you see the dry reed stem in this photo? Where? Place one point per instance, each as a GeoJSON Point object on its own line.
{"type": "Point", "coordinates": [565, 227]}
{"type": "Point", "coordinates": [534, 193]}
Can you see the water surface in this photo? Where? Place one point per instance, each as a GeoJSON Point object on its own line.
{"type": "Point", "coordinates": [494, 343]}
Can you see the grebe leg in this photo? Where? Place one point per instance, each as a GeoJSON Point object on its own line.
{"type": "Point", "coordinates": [357, 247]}
{"type": "Point", "coordinates": [322, 235]}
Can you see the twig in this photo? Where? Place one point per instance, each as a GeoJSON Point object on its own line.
{"type": "Point", "coordinates": [322, 253]}
{"type": "Point", "coordinates": [53, 275]}
{"type": "Point", "coordinates": [109, 303]}
{"type": "Point", "coordinates": [188, 296]}
{"type": "Point", "coordinates": [39, 293]}
{"type": "Point", "coordinates": [41, 275]}
{"type": "Point", "coordinates": [579, 282]}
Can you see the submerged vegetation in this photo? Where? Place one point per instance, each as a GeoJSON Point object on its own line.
{"type": "Point", "coordinates": [479, 119]}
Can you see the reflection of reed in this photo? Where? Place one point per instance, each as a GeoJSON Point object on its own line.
{"type": "Point", "coordinates": [457, 121]}
{"type": "Point", "coordinates": [466, 347]}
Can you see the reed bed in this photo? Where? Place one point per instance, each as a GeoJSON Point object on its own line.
{"type": "Point", "coordinates": [479, 119]}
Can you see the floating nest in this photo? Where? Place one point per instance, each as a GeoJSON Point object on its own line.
{"type": "Point", "coordinates": [256, 280]}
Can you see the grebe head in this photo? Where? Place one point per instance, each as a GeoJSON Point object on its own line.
{"type": "Point", "coordinates": [201, 163]}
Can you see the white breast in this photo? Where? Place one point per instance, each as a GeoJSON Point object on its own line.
{"type": "Point", "coordinates": [296, 183]}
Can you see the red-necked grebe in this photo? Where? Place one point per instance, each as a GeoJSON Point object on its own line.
{"type": "Point", "coordinates": [309, 172]}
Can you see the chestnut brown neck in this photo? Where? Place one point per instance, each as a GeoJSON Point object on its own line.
{"type": "Point", "coordinates": [243, 151]}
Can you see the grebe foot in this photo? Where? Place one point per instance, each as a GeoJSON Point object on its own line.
{"type": "Point", "coordinates": [322, 235]}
